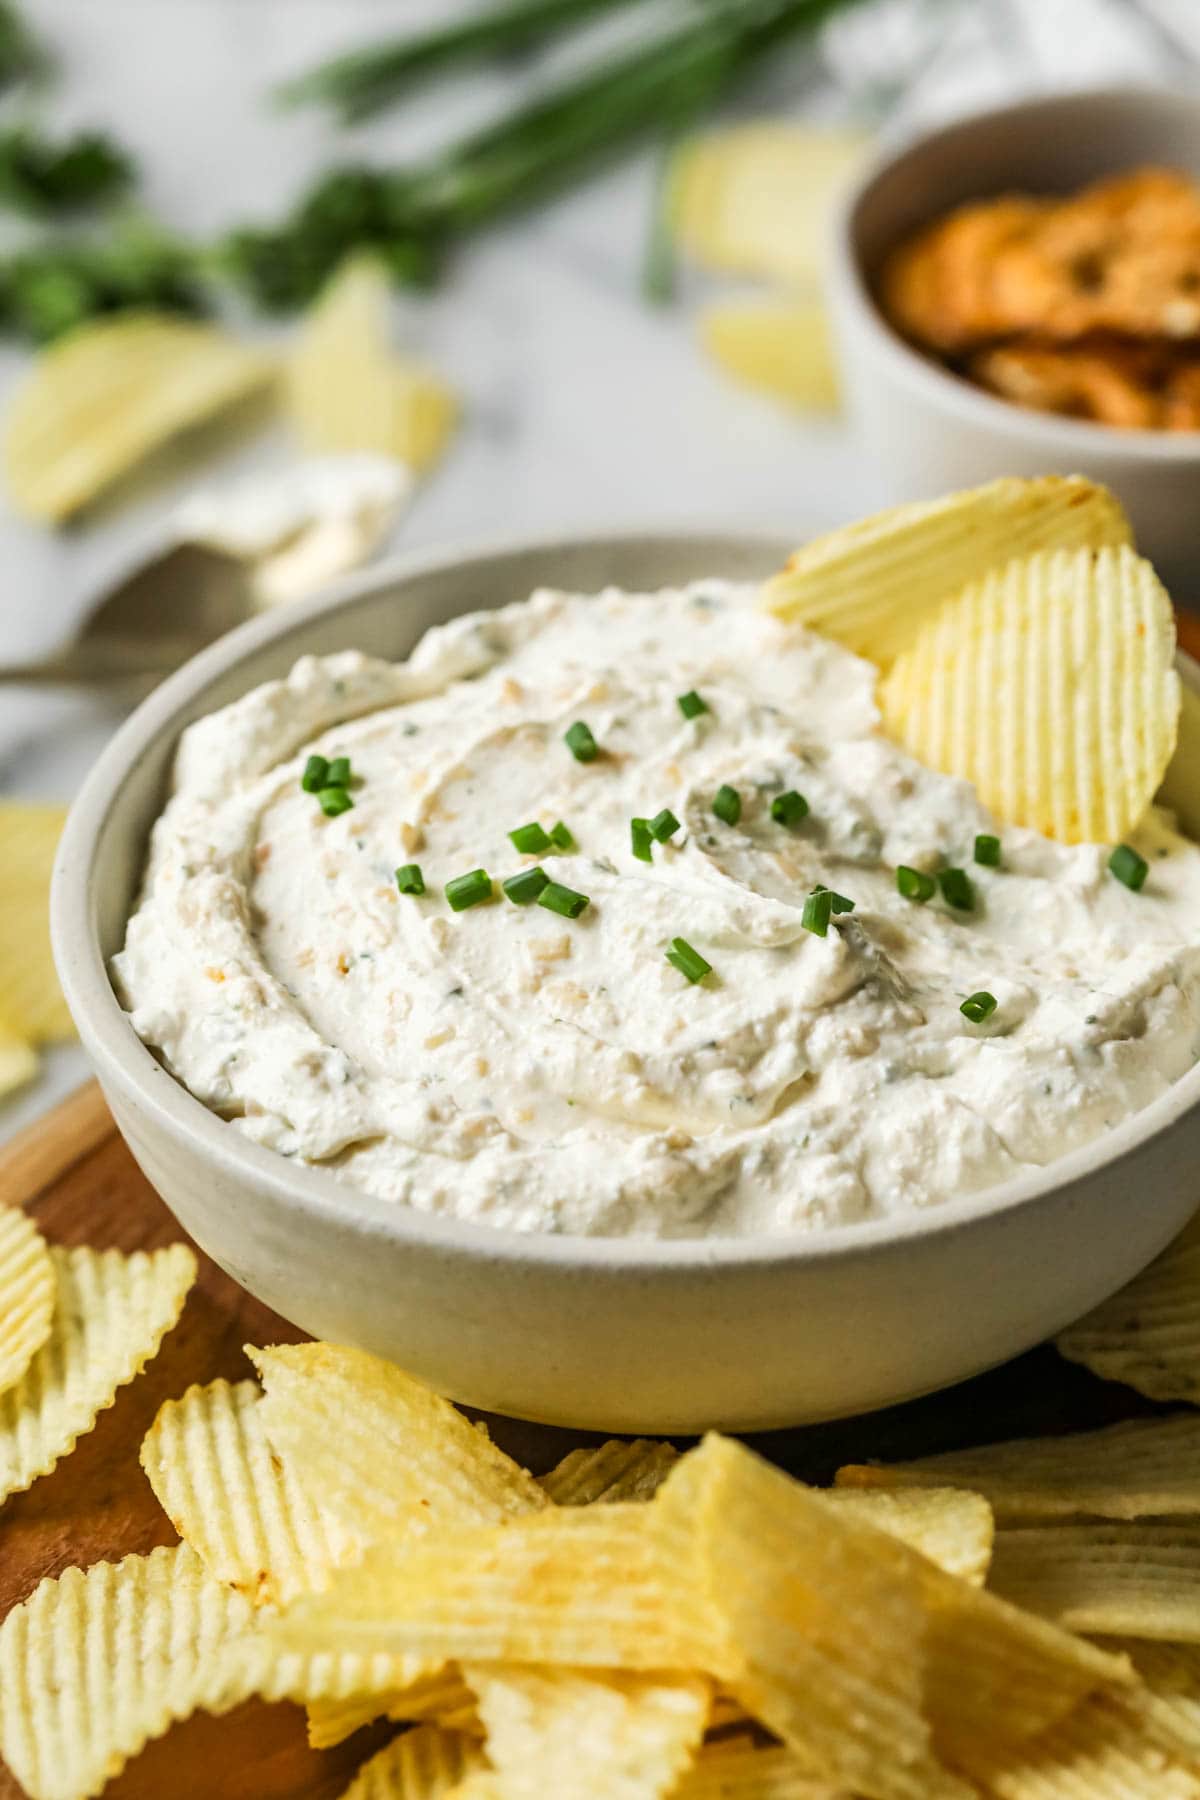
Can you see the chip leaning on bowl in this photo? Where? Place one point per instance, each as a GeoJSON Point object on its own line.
{"type": "Point", "coordinates": [626, 914]}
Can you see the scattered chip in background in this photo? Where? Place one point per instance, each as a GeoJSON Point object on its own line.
{"type": "Point", "coordinates": [18, 1060]}
{"type": "Point", "coordinates": [779, 346]}
{"type": "Point", "coordinates": [1148, 1334]}
{"type": "Point", "coordinates": [31, 1002]}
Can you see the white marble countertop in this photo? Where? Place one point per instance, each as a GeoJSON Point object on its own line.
{"type": "Point", "coordinates": [584, 406]}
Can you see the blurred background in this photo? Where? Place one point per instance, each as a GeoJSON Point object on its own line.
{"type": "Point", "coordinates": [302, 282]}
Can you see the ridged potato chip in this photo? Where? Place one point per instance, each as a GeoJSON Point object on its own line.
{"type": "Point", "coordinates": [426, 1764]}
{"type": "Point", "coordinates": [18, 1060]}
{"type": "Point", "coordinates": [595, 1737]}
{"type": "Point", "coordinates": [1126, 1471]}
{"type": "Point", "coordinates": [378, 1450]}
{"type": "Point", "coordinates": [779, 346]}
{"type": "Point", "coordinates": [1050, 686]}
{"type": "Point", "coordinates": [111, 1314]}
{"type": "Point", "coordinates": [442, 1698]}
{"type": "Point", "coordinates": [110, 393]}
{"type": "Point", "coordinates": [754, 199]}
{"type": "Point", "coordinates": [952, 1528]}
{"type": "Point", "coordinates": [348, 389]}
{"type": "Point", "coordinates": [744, 1768]}
{"type": "Point", "coordinates": [1101, 1751]}
{"type": "Point", "coordinates": [237, 1504]}
{"type": "Point", "coordinates": [1168, 1702]}
{"type": "Point", "coordinates": [1148, 1334]}
{"type": "Point", "coordinates": [27, 1286]}
{"type": "Point", "coordinates": [32, 1002]}
{"type": "Point", "coordinates": [618, 1470]}
{"type": "Point", "coordinates": [1123, 1580]}
{"type": "Point", "coordinates": [873, 584]}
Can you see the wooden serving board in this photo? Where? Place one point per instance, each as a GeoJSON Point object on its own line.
{"type": "Point", "coordinates": [73, 1173]}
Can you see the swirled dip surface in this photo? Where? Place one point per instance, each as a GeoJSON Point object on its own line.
{"type": "Point", "coordinates": [509, 1065]}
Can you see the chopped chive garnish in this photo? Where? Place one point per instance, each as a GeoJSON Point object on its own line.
{"type": "Point", "coordinates": [339, 772]}
{"type": "Point", "coordinates": [663, 825]}
{"type": "Point", "coordinates": [691, 705]}
{"type": "Point", "coordinates": [789, 808]}
{"type": "Point", "coordinates": [334, 800]}
{"type": "Point", "coordinates": [914, 885]}
{"type": "Point", "coordinates": [987, 850]}
{"type": "Point", "coordinates": [315, 776]}
{"type": "Point", "coordinates": [1128, 866]}
{"type": "Point", "coordinates": [689, 962]}
{"type": "Point", "coordinates": [525, 887]}
{"type": "Point", "coordinates": [559, 899]}
{"type": "Point", "coordinates": [838, 903]}
{"type": "Point", "coordinates": [530, 840]}
{"type": "Point", "coordinates": [817, 908]}
{"type": "Point", "coordinates": [581, 743]}
{"type": "Point", "coordinates": [978, 1007]}
{"type": "Point", "coordinates": [727, 804]}
{"type": "Point", "coordinates": [561, 838]}
{"type": "Point", "coordinates": [469, 890]}
{"type": "Point", "coordinates": [957, 890]}
{"type": "Point", "coordinates": [641, 839]}
{"type": "Point", "coordinates": [410, 880]}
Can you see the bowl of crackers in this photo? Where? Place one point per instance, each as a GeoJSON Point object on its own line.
{"type": "Point", "coordinates": [1019, 293]}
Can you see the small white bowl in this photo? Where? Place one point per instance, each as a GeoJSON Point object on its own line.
{"type": "Point", "coordinates": [617, 1335]}
{"type": "Point", "coordinates": [931, 430]}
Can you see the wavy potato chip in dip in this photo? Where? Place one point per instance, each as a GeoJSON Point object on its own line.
{"type": "Point", "coordinates": [511, 1064]}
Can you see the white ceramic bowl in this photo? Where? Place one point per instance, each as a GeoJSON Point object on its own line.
{"type": "Point", "coordinates": [933, 431]}
{"type": "Point", "coordinates": [616, 1335]}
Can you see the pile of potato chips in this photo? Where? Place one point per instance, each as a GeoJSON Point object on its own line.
{"type": "Point", "coordinates": [1019, 1622]}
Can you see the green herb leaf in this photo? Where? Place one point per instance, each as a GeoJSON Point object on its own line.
{"type": "Point", "coordinates": [691, 705]}
{"type": "Point", "coordinates": [789, 808]}
{"type": "Point", "coordinates": [469, 889]}
{"type": "Point", "coordinates": [315, 776]}
{"type": "Point", "coordinates": [978, 1007]}
{"type": "Point", "coordinates": [1129, 867]}
{"type": "Point", "coordinates": [727, 804]}
{"type": "Point", "coordinates": [914, 885]}
{"type": "Point", "coordinates": [525, 887]}
{"type": "Point", "coordinates": [663, 825]}
{"type": "Point", "coordinates": [817, 910]}
{"type": "Point", "coordinates": [561, 837]}
{"type": "Point", "coordinates": [340, 774]}
{"type": "Point", "coordinates": [957, 890]}
{"type": "Point", "coordinates": [641, 840]}
{"type": "Point", "coordinates": [564, 900]}
{"type": "Point", "coordinates": [334, 800]}
{"type": "Point", "coordinates": [410, 880]}
{"type": "Point", "coordinates": [530, 840]}
{"type": "Point", "coordinates": [689, 962]}
{"type": "Point", "coordinates": [581, 743]}
{"type": "Point", "coordinates": [987, 851]}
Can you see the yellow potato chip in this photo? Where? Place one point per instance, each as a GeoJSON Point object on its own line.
{"type": "Point", "coordinates": [1101, 1751]}
{"type": "Point", "coordinates": [425, 1764]}
{"type": "Point", "coordinates": [98, 1662]}
{"type": "Point", "coordinates": [755, 199]}
{"type": "Point", "coordinates": [33, 1005]}
{"type": "Point", "coordinates": [1124, 1580]}
{"type": "Point", "coordinates": [111, 1313]}
{"type": "Point", "coordinates": [953, 1528]}
{"type": "Point", "coordinates": [744, 1768]}
{"type": "Point", "coordinates": [442, 1698]}
{"type": "Point", "coordinates": [1148, 1334]}
{"type": "Point", "coordinates": [27, 1287]}
{"type": "Point", "coordinates": [579, 1585]}
{"type": "Point", "coordinates": [236, 1503]}
{"type": "Point", "coordinates": [1168, 1702]}
{"type": "Point", "coordinates": [1126, 1471]}
{"type": "Point", "coordinates": [18, 1061]}
{"type": "Point", "coordinates": [618, 1470]}
{"type": "Point", "coordinates": [348, 389]}
{"type": "Point", "coordinates": [1050, 686]}
{"type": "Point", "coordinates": [779, 346]}
{"type": "Point", "coordinates": [595, 1737]}
{"type": "Point", "coordinates": [873, 584]}
{"type": "Point", "coordinates": [110, 393]}
{"type": "Point", "coordinates": [379, 1451]}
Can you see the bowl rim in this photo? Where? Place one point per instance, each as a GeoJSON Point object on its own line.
{"type": "Point", "coordinates": [122, 1058]}
{"type": "Point", "coordinates": [922, 373]}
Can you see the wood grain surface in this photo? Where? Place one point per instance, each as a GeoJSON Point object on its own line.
{"type": "Point", "coordinates": [74, 1175]}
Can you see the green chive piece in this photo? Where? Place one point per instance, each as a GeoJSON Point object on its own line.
{"type": "Point", "coordinates": [978, 1007]}
{"type": "Point", "coordinates": [987, 850]}
{"type": "Point", "coordinates": [913, 885]}
{"type": "Point", "coordinates": [691, 705]}
{"type": "Point", "coordinates": [410, 880]}
{"type": "Point", "coordinates": [957, 890]}
{"type": "Point", "coordinates": [339, 772]}
{"type": "Point", "coordinates": [561, 838]}
{"type": "Point", "coordinates": [689, 962]}
{"type": "Point", "coordinates": [838, 903]}
{"type": "Point", "coordinates": [817, 908]}
{"type": "Point", "coordinates": [1129, 867]}
{"type": "Point", "coordinates": [526, 887]}
{"type": "Point", "coordinates": [334, 800]}
{"type": "Point", "coordinates": [581, 743]}
{"type": "Point", "coordinates": [789, 808]}
{"type": "Point", "coordinates": [663, 825]}
{"type": "Point", "coordinates": [727, 804]}
{"type": "Point", "coordinates": [641, 839]}
{"type": "Point", "coordinates": [530, 840]}
{"type": "Point", "coordinates": [315, 776]}
{"type": "Point", "coordinates": [559, 899]}
{"type": "Point", "coordinates": [469, 890]}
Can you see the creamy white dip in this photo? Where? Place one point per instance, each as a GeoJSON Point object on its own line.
{"type": "Point", "coordinates": [509, 1065]}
